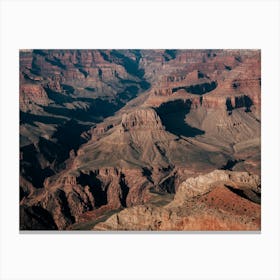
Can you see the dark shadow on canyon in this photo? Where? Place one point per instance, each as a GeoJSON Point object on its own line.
{"type": "Point", "coordinates": [172, 115]}
{"type": "Point", "coordinates": [98, 190]}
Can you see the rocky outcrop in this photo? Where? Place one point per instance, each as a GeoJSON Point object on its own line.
{"type": "Point", "coordinates": [26, 187]}
{"type": "Point", "coordinates": [66, 198]}
{"type": "Point", "coordinates": [202, 203]}
{"type": "Point", "coordinates": [32, 94]}
{"type": "Point", "coordinates": [202, 184]}
{"type": "Point", "coordinates": [141, 119]}
{"type": "Point", "coordinates": [63, 204]}
{"type": "Point", "coordinates": [101, 129]}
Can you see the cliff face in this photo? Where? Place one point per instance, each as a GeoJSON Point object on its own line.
{"type": "Point", "coordinates": [101, 129]}
{"type": "Point", "coordinates": [64, 94]}
{"type": "Point", "coordinates": [220, 200]}
{"type": "Point", "coordinates": [69, 196]}
{"type": "Point", "coordinates": [141, 119]}
{"type": "Point", "coordinates": [32, 95]}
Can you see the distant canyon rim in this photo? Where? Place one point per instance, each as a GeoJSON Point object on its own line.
{"type": "Point", "coordinates": [140, 140]}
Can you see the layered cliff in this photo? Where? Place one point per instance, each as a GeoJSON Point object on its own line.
{"type": "Point", "coordinates": [220, 200]}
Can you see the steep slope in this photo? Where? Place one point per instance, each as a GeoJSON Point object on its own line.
{"type": "Point", "coordinates": [63, 93]}
{"type": "Point", "coordinates": [220, 200]}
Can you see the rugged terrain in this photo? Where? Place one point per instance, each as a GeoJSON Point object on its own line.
{"type": "Point", "coordinates": [130, 139]}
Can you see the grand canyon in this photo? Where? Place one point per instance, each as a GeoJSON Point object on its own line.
{"type": "Point", "coordinates": [140, 140]}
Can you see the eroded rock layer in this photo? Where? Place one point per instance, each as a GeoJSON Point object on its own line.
{"type": "Point", "coordinates": [220, 200]}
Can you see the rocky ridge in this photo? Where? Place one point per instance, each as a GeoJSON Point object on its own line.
{"type": "Point", "coordinates": [197, 206]}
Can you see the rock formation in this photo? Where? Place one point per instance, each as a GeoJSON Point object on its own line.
{"type": "Point", "coordinates": [220, 200]}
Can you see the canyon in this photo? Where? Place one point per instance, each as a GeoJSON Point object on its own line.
{"type": "Point", "coordinates": [140, 140]}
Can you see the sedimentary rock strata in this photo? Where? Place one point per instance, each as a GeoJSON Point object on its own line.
{"type": "Point", "coordinates": [220, 200]}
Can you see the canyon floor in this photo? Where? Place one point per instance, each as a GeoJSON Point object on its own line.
{"type": "Point", "coordinates": [140, 140]}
